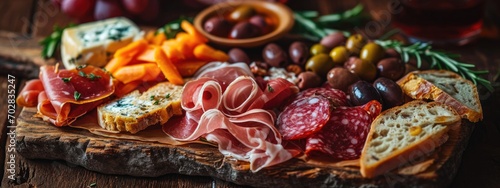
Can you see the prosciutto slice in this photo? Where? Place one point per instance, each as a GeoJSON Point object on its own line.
{"type": "Point", "coordinates": [234, 118]}
{"type": "Point", "coordinates": [275, 90]}
{"type": "Point", "coordinates": [224, 73]}
{"type": "Point", "coordinates": [241, 95]}
{"type": "Point", "coordinates": [205, 94]}
{"type": "Point", "coordinates": [29, 94]}
{"type": "Point", "coordinates": [64, 95]}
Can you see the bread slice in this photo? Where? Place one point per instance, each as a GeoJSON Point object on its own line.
{"type": "Point", "coordinates": [402, 134]}
{"type": "Point", "coordinates": [446, 87]}
{"type": "Point", "coordinates": [135, 111]}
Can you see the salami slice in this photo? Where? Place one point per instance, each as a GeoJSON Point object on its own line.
{"type": "Point", "coordinates": [304, 117]}
{"type": "Point", "coordinates": [337, 97]}
{"type": "Point", "coordinates": [344, 136]}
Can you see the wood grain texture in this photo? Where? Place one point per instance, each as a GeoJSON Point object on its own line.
{"type": "Point", "coordinates": [57, 173]}
{"type": "Point", "coordinates": [37, 139]}
{"type": "Point", "coordinates": [21, 48]}
{"type": "Point", "coordinates": [16, 16]}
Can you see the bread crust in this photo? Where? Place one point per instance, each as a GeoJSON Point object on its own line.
{"type": "Point", "coordinates": [419, 88]}
{"type": "Point", "coordinates": [155, 114]}
{"type": "Point", "coordinates": [412, 152]}
{"type": "Point", "coordinates": [134, 125]}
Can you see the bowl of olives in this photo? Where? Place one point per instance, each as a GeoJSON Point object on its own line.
{"type": "Point", "coordinates": [244, 23]}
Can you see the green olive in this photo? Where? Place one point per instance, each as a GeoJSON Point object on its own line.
{"type": "Point", "coordinates": [365, 70]}
{"type": "Point", "coordinates": [372, 52]}
{"type": "Point", "coordinates": [319, 64]}
{"type": "Point", "coordinates": [318, 49]}
{"type": "Point", "coordinates": [241, 13]}
{"type": "Point", "coordinates": [339, 55]}
{"type": "Point", "coordinates": [354, 43]}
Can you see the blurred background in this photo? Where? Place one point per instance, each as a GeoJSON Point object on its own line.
{"type": "Point", "coordinates": [38, 17]}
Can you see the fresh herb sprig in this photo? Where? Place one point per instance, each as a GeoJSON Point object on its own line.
{"type": "Point", "coordinates": [349, 16]}
{"type": "Point", "coordinates": [313, 26]}
{"type": "Point", "coordinates": [172, 28]}
{"type": "Point", "coordinates": [51, 42]}
{"type": "Point", "coordinates": [441, 60]}
{"type": "Point", "coordinates": [77, 95]}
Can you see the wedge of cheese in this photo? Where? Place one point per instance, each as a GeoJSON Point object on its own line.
{"type": "Point", "coordinates": [94, 43]}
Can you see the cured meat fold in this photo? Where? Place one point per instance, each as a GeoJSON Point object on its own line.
{"type": "Point", "coordinates": [61, 96]}
{"type": "Point", "coordinates": [235, 119]}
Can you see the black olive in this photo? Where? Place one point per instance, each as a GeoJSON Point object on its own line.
{"type": "Point", "coordinates": [391, 68]}
{"type": "Point", "coordinates": [238, 55]}
{"type": "Point", "coordinates": [391, 93]}
{"type": "Point", "coordinates": [341, 78]}
{"type": "Point", "coordinates": [274, 55]}
{"type": "Point", "coordinates": [299, 52]}
{"type": "Point", "coordinates": [308, 80]}
{"type": "Point", "coordinates": [217, 26]}
{"type": "Point", "coordinates": [363, 92]}
{"type": "Point", "coordinates": [244, 30]}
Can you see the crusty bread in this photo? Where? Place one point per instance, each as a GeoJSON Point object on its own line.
{"type": "Point", "coordinates": [135, 111]}
{"type": "Point", "coordinates": [446, 87]}
{"type": "Point", "coordinates": [402, 134]}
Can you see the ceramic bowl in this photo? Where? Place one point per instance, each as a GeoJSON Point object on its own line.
{"type": "Point", "coordinates": [279, 13]}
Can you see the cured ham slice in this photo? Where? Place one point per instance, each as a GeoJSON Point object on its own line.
{"type": "Point", "coordinates": [277, 91]}
{"type": "Point", "coordinates": [234, 118]}
{"type": "Point", "coordinates": [259, 159]}
{"type": "Point", "coordinates": [241, 95]}
{"type": "Point", "coordinates": [252, 129]}
{"type": "Point", "coordinates": [29, 94]}
{"type": "Point", "coordinates": [64, 95]}
{"type": "Point", "coordinates": [72, 93]}
{"type": "Point", "coordinates": [224, 73]}
{"type": "Point", "coordinates": [67, 112]}
{"type": "Point", "coordinates": [204, 94]}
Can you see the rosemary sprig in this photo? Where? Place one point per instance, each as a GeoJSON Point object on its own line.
{"type": "Point", "coordinates": [313, 26]}
{"type": "Point", "coordinates": [51, 42]}
{"type": "Point", "coordinates": [346, 16]}
{"type": "Point", "coordinates": [442, 60]}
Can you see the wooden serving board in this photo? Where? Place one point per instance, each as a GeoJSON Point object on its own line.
{"type": "Point", "coordinates": [38, 139]}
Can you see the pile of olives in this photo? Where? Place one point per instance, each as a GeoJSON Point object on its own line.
{"type": "Point", "coordinates": [242, 22]}
{"type": "Point", "coordinates": [362, 69]}
{"type": "Point", "coordinates": [273, 55]}
{"type": "Point", "coordinates": [359, 67]}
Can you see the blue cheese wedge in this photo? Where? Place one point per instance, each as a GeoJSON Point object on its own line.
{"type": "Point", "coordinates": [95, 43]}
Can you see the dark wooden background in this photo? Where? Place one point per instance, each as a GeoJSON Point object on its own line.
{"type": "Point", "coordinates": [24, 22]}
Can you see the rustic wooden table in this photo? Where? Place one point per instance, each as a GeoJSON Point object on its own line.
{"type": "Point", "coordinates": [23, 22]}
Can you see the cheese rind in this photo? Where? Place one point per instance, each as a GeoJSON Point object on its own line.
{"type": "Point", "coordinates": [95, 43]}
